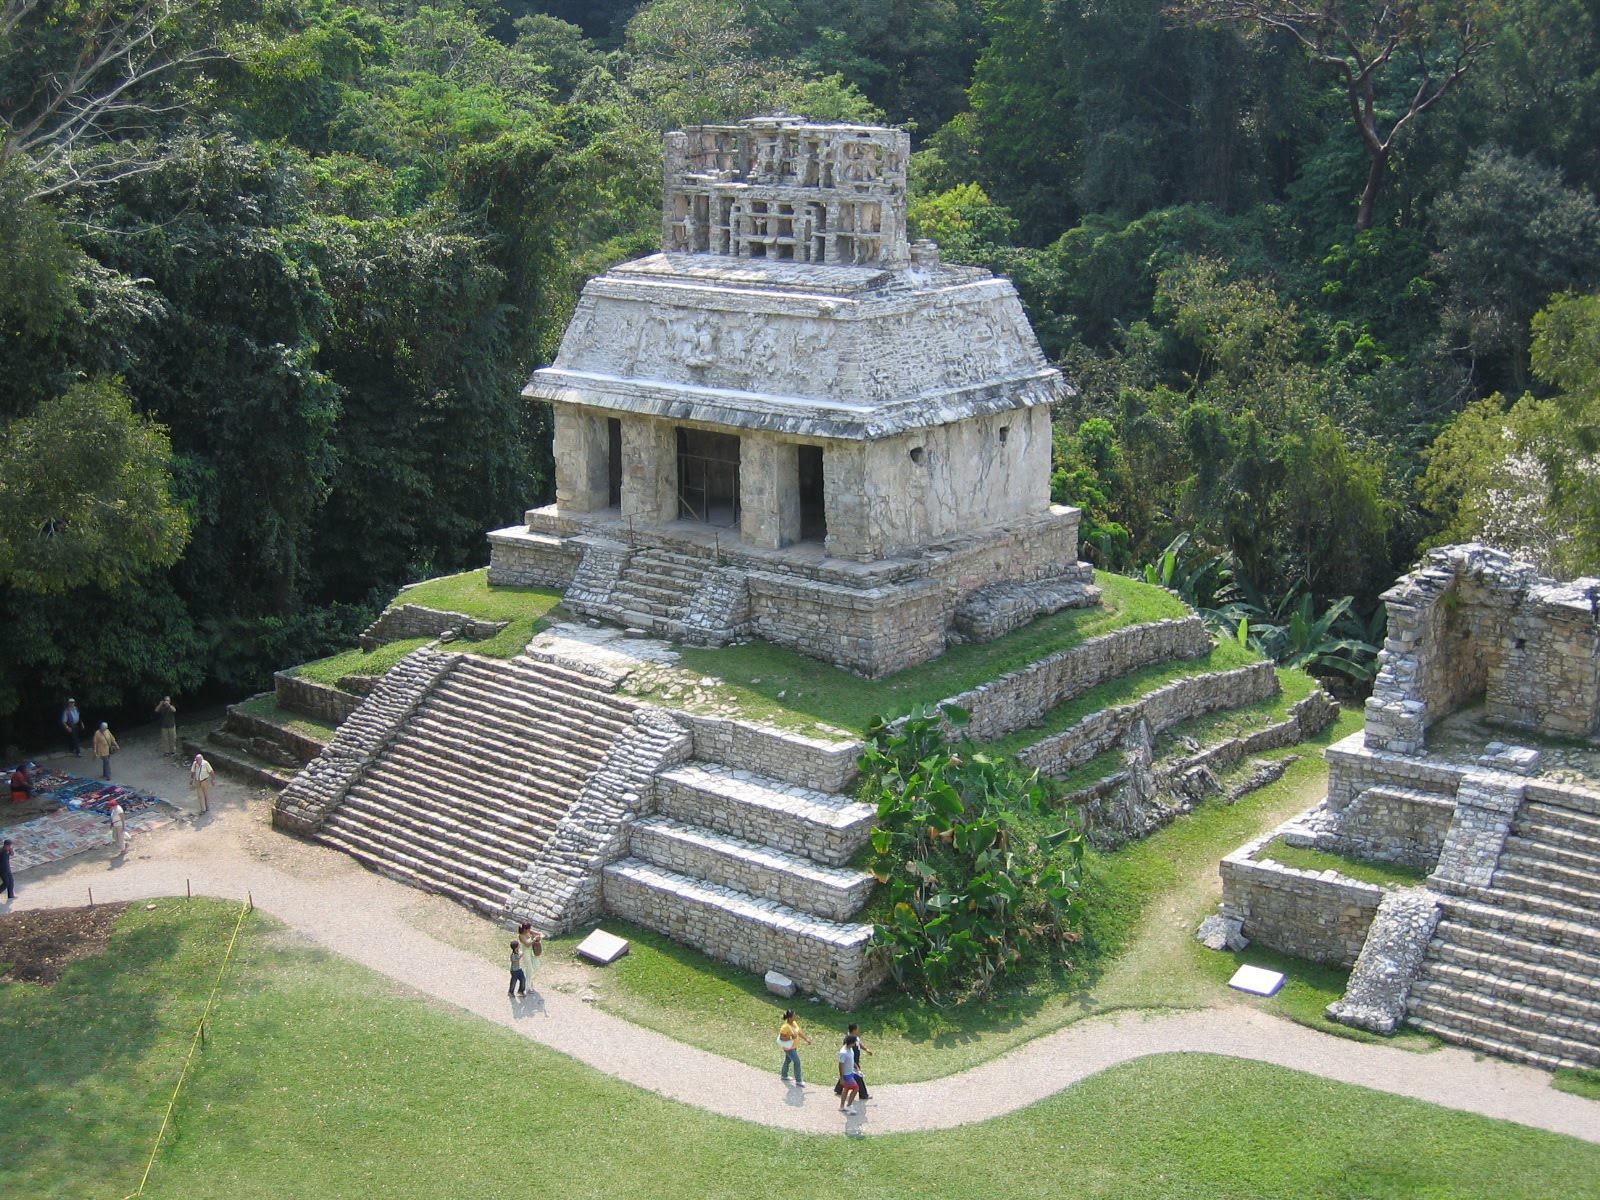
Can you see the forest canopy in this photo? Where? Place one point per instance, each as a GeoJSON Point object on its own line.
{"type": "Point", "coordinates": [273, 272]}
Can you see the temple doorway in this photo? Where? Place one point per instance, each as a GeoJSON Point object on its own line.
{"type": "Point", "coordinates": [614, 462]}
{"type": "Point", "coordinates": [708, 477]}
{"type": "Point", "coordinates": [813, 514]}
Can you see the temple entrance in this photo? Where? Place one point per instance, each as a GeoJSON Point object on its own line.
{"type": "Point", "coordinates": [813, 514]}
{"type": "Point", "coordinates": [708, 477]}
{"type": "Point", "coordinates": [613, 462]}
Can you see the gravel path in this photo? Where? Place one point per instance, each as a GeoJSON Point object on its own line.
{"type": "Point", "coordinates": [333, 902]}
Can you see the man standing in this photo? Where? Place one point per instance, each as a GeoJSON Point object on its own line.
{"type": "Point", "coordinates": [200, 775]}
{"type": "Point", "coordinates": [169, 726]}
{"type": "Point", "coordinates": [119, 827]}
{"type": "Point", "coordinates": [6, 877]}
{"type": "Point", "coordinates": [105, 745]}
{"type": "Point", "coordinates": [73, 724]}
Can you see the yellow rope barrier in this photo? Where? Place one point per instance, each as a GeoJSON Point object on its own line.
{"type": "Point", "coordinates": [194, 1044]}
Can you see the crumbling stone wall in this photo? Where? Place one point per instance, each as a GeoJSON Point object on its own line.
{"type": "Point", "coordinates": [401, 621]}
{"type": "Point", "coordinates": [329, 705]}
{"type": "Point", "coordinates": [1472, 621]}
{"type": "Point", "coordinates": [1318, 915]}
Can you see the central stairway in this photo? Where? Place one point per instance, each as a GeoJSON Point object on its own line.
{"type": "Point", "coordinates": [471, 787]}
{"type": "Point", "coordinates": [1514, 968]}
{"type": "Point", "coordinates": [655, 589]}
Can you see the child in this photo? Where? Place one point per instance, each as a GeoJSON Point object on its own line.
{"type": "Point", "coordinates": [849, 1080]}
{"type": "Point", "coordinates": [518, 979]}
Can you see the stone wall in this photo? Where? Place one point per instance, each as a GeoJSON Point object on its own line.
{"type": "Point", "coordinates": [561, 890]}
{"type": "Point", "coordinates": [826, 766]}
{"type": "Point", "coordinates": [327, 704]}
{"type": "Point", "coordinates": [519, 557]}
{"type": "Point", "coordinates": [401, 621]}
{"type": "Point", "coordinates": [1316, 915]}
{"type": "Point", "coordinates": [1023, 697]}
{"type": "Point", "coordinates": [1472, 621]}
{"type": "Point", "coordinates": [321, 785]}
{"type": "Point", "coordinates": [1161, 709]}
{"type": "Point", "coordinates": [854, 629]}
{"type": "Point", "coordinates": [830, 962]}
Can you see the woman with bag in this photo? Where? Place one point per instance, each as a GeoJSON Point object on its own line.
{"type": "Point", "coordinates": [790, 1035]}
{"type": "Point", "coordinates": [532, 943]}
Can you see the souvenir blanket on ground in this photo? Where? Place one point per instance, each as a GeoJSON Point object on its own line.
{"type": "Point", "coordinates": [83, 822]}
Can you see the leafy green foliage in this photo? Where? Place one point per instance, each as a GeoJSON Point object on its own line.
{"type": "Point", "coordinates": [978, 879]}
{"type": "Point", "coordinates": [86, 494]}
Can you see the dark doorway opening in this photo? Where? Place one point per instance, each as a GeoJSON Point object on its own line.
{"type": "Point", "coordinates": [708, 477]}
{"type": "Point", "coordinates": [813, 514]}
{"type": "Point", "coordinates": [614, 462]}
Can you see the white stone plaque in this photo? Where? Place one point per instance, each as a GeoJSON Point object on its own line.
{"type": "Point", "coordinates": [602, 947]}
{"type": "Point", "coordinates": [1258, 981]}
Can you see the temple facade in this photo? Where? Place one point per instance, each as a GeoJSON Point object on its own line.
{"type": "Point", "coordinates": [794, 424]}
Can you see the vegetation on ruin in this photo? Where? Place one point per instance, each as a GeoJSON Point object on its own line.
{"type": "Point", "coordinates": [762, 682]}
{"type": "Point", "coordinates": [1385, 875]}
{"type": "Point", "coordinates": [303, 262]}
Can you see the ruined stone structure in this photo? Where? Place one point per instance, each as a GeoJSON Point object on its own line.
{"type": "Point", "coordinates": [794, 425]}
{"type": "Point", "coordinates": [1500, 950]}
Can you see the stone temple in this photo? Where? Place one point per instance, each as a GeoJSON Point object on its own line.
{"type": "Point", "coordinates": [793, 424]}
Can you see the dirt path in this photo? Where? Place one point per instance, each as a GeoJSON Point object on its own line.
{"type": "Point", "coordinates": [328, 899]}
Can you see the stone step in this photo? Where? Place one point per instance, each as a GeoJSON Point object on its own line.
{"type": "Point", "coordinates": [1511, 956]}
{"type": "Point", "coordinates": [664, 590]}
{"type": "Point", "coordinates": [1554, 816]}
{"type": "Point", "coordinates": [822, 826]}
{"type": "Point", "coordinates": [1552, 864]}
{"type": "Point", "coordinates": [1499, 909]}
{"type": "Point", "coordinates": [433, 765]}
{"type": "Point", "coordinates": [499, 697]}
{"type": "Point", "coordinates": [1557, 1001]}
{"type": "Point", "coordinates": [1543, 886]}
{"type": "Point", "coordinates": [1570, 1038]}
{"type": "Point", "coordinates": [1394, 793]}
{"type": "Point", "coordinates": [664, 627]}
{"type": "Point", "coordinates": [825, 958]}
{"type": "Point", "coordinates": [454, 741]}
{"type": "Point", "coordinates": [516, 840]}
{"type": "Point", "coordinates": [565, 680]}
{"type": "Point", "coordinates": [1553, 839]}
{"type": "Point", "coordinates": [511, 717]}
{"type": "Point", "coordinates": [1488, 1044]}
{"type": "Point", "coordinates": [484, 890]}
{"type": "Point", "coordinates": [537, 798]}
{"type": "Point", "coordinates": [1562, 853]}
{"type": "Point", "coordinates": [833, 892]}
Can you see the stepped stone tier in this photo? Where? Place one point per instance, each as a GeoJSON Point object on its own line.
{"type": "Point", "coordinates": [793, 424]}
{"type": "Point", "coordinates": [1458, 774]}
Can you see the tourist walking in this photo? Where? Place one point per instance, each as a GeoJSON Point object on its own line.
{"type": "Point", "coordinates": [790, 1035]}
{"type": "Point", "coordinates": [105, 745]}
{"type": "Point", "coordinates": [72, 722]}
{"type": "Point", "coordinates": [849, 1077]}
{"type": "Point", "coordinates": [532, 943]}
{"type": "Point", "coordinates": [6, 877]}
{"type": "Point", "coordinates": [169, 726]}
{"type": "Point", "coordinates": [519, 980]}
{"type": "Point", "coordinates": [201, 774]}
{"type": "Point", "coordinates": [860, 1048]}
{"type": "Point", "coordinates": [119, 827]}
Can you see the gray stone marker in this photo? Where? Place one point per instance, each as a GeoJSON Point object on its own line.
{"type": "Point", "coordinates": [602, 948]}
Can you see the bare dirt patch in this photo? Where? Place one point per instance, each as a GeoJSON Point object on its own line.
{"type": "Point", "coordinates": [35, 947]}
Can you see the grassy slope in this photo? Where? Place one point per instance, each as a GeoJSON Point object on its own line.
{"type": "Point", "coordinates": [318, 1081]}
{"type": "Point", "coordinates": [1381, 874]}
{"type": "Point", "coordinates": [781, 687]}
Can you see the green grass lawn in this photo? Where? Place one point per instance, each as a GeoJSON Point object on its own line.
{"type": "Point", "coordinates": [1389, 875]}
{"type": "Point", "coordinates": [358, 662]}
{"type": "Point", "coordinates": [320, 1081]}
{"type": "Point", "coordinates": [782, 687]}
{"type": "Point", "coordinates": [266, 707]}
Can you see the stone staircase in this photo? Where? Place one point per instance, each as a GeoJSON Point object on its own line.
{"type": "Point", "coordinates": [751, 870]}
{"type": "Point", "coordinates": [655, 589]}
{"type": "Point", "coordinates": [474, 782]}
{"type": "Point", "coordinates": [1514, 968]}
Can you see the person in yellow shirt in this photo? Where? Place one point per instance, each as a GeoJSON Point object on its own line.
{"type": "Point", "coordinates": [105, 745]}
{"type": "Point", "coordinates": [790, 1035]}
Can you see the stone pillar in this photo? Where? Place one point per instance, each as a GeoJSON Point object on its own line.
{"type": "Point", "coordinates": [769, 492]}
{"type": "Point", "coordinates": [649, 470]}
{"type": "Point", "coordinates": [581, 452]}
{"type": "Point", "coordinates": [844, 500]}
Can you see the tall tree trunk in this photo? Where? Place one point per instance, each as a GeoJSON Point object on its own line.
{"type": "Point", "coordinates": [1369, 196]}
